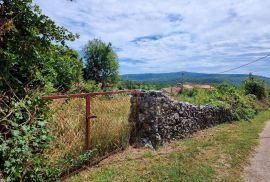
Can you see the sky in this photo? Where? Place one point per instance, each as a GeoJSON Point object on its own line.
{"type": "Point", "coordinates": [155, 36]}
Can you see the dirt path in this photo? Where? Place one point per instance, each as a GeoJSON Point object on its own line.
{"type": "Point", "coordinates": [259, 168]}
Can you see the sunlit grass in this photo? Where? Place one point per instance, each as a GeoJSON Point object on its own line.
{"type": "Point", "coordinates": [215, 154]}
{"type": "Point", "coordinates": [108, 131]}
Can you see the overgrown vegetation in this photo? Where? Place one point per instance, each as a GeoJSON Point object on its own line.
{"type": "Point", "coordinates": [34, 50]}
{"type": "Point", "coordinates": [23, 138]}
{"type": "Point", "coordinates": [244, 101]}
{"type": "Point", "coordinates": [109, 130]}
{"type": "Point", "coordinates": [34, 60]}
{"type": "Point", "coordinates": [255, 87]}
{"type": "Point", "coordinates": [86, 86]}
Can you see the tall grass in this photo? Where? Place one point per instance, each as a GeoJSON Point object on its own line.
{"type": "Point", "coordinates": [109, 130]}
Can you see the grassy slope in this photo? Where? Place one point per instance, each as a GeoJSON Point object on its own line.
{"type": "Point", "coordinates": [215, 154]}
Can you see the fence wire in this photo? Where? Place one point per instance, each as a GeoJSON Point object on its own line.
{"type": "Point", "coordinates": [109, 129]}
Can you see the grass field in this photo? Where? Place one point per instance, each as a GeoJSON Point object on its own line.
{"type": "Point", "coordinates": [214, 154]}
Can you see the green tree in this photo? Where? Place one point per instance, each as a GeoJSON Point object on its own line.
{"type": "Point", "coordinates": [29, 48]}
{"type": "Point", "coordinates": [33, 54]}
{"type": "Point", "coordinates": [101, 62]}
{"type": "Point", "coordinates": [68, 68]}
{"type": "Point", "coordinates": [255, 87]}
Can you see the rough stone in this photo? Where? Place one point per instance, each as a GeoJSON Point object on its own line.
{"type": "Point", "coordinates": [155, 118]}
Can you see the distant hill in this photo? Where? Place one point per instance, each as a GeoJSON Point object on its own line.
{"type": "Point", "coordinates": [201, 78]}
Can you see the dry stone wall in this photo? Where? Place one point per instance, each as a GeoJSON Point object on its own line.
{"type": "Point", "coordinates": [155, 118]}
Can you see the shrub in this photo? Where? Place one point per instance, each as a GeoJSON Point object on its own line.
{"type": "Point", "coordinates": [68, 68]}
{"type": "Point", "coordinates": [33, 50]}
{"type": "Point", "coordinates": [87, 86]}
{"type": "Point", "coordinates": [190, 93]}
{"type": "Point", "coordinates": [241, 105]}
{"type": "Point", "coordinates": [23, 138]}
{"type": "Point", "coordinates": [233, 98]}
{"type": "Point", "coordinates": [255, 87]}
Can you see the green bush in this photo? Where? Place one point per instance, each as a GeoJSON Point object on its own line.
{"type": "Point", "coordinates": [68, 68]}
{"type": "Point", "coordinates": [85, 87]}
{"type": "Point", "coordinates": [33, 51]}
{"type": "Point", "coordinates": [255, 87]}
{"type": "Point", "coordinates": [23, 138]}
{"type": "Point", "coordinates": [34, 56]}
{"type": "Point", "coordinates": [242, 106]}
{"type": "Point", "coordinates": [190, 93]}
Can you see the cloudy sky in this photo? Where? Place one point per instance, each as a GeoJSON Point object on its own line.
{"type": "Point", "coordinates": [172, 35]}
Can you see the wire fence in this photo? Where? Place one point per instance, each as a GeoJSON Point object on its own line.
{"type": "Point", "coordinates": [68, 131]}
{"type": "Point", "coordinates": [109, 128]}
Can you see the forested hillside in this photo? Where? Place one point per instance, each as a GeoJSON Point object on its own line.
{"type": "Point", "coordinates": [172, 78]}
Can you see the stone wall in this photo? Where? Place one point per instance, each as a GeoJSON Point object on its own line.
{"type": "Point", "coordinates": [155, 118]}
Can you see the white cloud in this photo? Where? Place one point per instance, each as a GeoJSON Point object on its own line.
{"type": "Point", "coordinates": [172, 35]}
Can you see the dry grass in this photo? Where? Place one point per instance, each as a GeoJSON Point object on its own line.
{"type": "Point", "coordinates": [108, 131]}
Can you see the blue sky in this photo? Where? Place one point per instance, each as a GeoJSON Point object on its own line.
{"type": "Point", "coordinates": [206, 36]}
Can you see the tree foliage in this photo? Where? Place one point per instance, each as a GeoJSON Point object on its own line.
{"type": "Point", "coordinates": [68, 68]}
{"type": "Point", "coordinates": [255, 87]}
{"type": "Point", "coordinates": [32, 48]}
{"type": "Point", "coordinates": [33, 55]}
{"type": "Point", "coordinates": [101, 62]}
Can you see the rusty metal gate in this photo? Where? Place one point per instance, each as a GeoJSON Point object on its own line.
{"type": "Point", "coordinates": [87, 97]}
{"type": "Point", "coordinates": [97, 106]}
